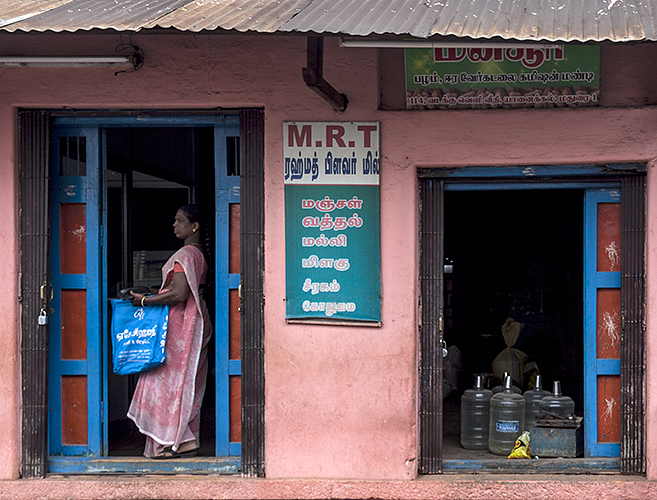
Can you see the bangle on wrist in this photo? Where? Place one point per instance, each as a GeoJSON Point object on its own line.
{"type": "Point", "coordinates": [142, 300]}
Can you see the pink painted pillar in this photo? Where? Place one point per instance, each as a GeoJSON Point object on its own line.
{"type": "Point", "coordinates": [10, 386]}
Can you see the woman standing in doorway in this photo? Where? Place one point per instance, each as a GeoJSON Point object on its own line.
{"type": "Point", "coordinates": [167, 401]}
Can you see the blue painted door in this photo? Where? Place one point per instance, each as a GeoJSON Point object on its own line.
{"type": "Point", "coordinates": [78, 366]}
{"type": "Point", "coordinates": [227, 320]}
{"type": "Point", "coordinates": [602, 322]}
{"type": "Point", "coordinates": [76, 358]}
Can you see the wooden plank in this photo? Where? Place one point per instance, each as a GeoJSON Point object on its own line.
{"type": "Point", "coordinates": [608, 321]}
{"type": "Point", "coordinates": [74, 410]}
{"type": "Point", "coordinates": [609, 408]}
{"type": "Point", "coordinates": [609, 233]}
{"type": "Point", "coordinates": [140, 465]}
{"type": "Point", "coordinates": [601, 317]}
{"type": "Point", "coordinates": [590, 291]}
{"type": "Point", "coordinates": [235, 335]}
{"type": "Point", "coordinates": [235, 409]}
{"type": "Point", "coordinates": [234, 265]}
{"type": "Point", "coordinates": [227, 267]}
{"type": "Point", "coordinates": [74, 324]}
{"type": "Point", "coordinates": [566, 465]}
{"type": "Point", "coordinates": [529, 172]}
{"type": "Point", "coordinates": [73, 238]}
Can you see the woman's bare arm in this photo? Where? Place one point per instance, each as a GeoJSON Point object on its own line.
{"type": "Point", "coordinates": [178, 292]}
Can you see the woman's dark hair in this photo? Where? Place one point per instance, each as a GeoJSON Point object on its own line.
{"type": "Point", "coordinates": [194, 213]}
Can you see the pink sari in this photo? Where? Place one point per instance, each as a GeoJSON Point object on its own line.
{"type": "Point", "coordinates": [167, 401]}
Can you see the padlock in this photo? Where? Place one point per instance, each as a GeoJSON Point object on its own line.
{"type": "Point", "coordinates": [42, 319]}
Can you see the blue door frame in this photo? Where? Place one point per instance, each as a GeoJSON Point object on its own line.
{"type": "Point", "coordinates": [79, 190]}
{"type": "Point", "coordinates": [227, 192]}
{"type": "Point", "coordinates": [596, 190]}
{"type": "Point", "coordinates": [90, 190]}
{"type": "Point", "coordinates": [595, 280]}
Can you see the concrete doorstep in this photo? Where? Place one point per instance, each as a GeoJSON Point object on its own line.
{"type": "Point", "coordinates": [451, 486]}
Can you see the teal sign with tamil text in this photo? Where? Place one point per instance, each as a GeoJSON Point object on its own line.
{"type": "Point", "coordinates": [332, 230]}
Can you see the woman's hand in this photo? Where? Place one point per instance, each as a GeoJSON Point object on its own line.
{"type": "Point", "coordinates": [177, 292]}
{"type": "Point", "coordinates": [137, 298]}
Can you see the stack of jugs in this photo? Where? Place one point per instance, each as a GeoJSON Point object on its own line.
{"type": "Point", "coordinates": [532, 399]}
{"type": "Point", "coordinates": [500, 388]}
{"type": "Point", "coordinates": [507, 419]}
{"type": "Point", "coordinates": [558, 403]}
{"type": "Point", "coordinates": [475, 416]}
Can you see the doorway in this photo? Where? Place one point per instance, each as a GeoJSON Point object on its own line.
{"type": "Point", "coordinates": [517, 255]}
{"type": "Point", "coordinates": [610, 201]}
{"type": "Point", "coordinates": [117, 184]}
{"type": "Point", "coordinates": [60, 166]}
{"type": "Point", "coordinates": [150, 173]}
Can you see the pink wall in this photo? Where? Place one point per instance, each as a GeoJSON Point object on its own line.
{"type": "Point", "coordinates": [341, 402]}
{"type": "Point", "coordinates": [10, 386]}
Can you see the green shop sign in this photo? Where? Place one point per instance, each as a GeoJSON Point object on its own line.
{"type": "Point", "coordinates": [480, 77]}
{"type": "Point", "coordinates": [332, 241]}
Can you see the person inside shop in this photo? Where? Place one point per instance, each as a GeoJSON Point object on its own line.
{"type": "Point", "coordinates": [167, 401]}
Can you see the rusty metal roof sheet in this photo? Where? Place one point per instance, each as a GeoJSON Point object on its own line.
{"type": "Point", "coordinates": [546, 20]}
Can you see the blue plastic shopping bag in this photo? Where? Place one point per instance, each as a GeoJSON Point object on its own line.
{"type": "Point", "coordinates": [138, 336]}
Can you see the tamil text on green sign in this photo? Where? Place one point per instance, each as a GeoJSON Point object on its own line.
{"type": "Point", "coordinates": [480, 77]}
{"type": "Point", "coordinates": [333, 258]}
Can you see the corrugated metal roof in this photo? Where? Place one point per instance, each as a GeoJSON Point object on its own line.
{"type": "Point", "coordinates": [73, 15]}
{"type": "Point", "coordinates": [264, 16]}
{"type": "Point", "coordinates": [366, 17]}
{"type": "Point", "coordinates": [13, 12]}
{"type": "Point", "coordinates": [546, 20]}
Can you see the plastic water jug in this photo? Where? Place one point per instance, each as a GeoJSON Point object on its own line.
{"type": "Point", "coordinates": [532, 399]}
{"type": "Point", "coordinates": [475, 416]}
{"type": "Point", "coordinates": [500, 388]}
{"type": "Point", "coordinates": [507, 420]}
{"type": "Point", "coordinates": [557, 403]}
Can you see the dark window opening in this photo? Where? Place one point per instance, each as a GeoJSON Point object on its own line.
{"type": "Point", "coordinates": [73, 156]}
{"type": "Point", "coordinates": [233, 153]}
